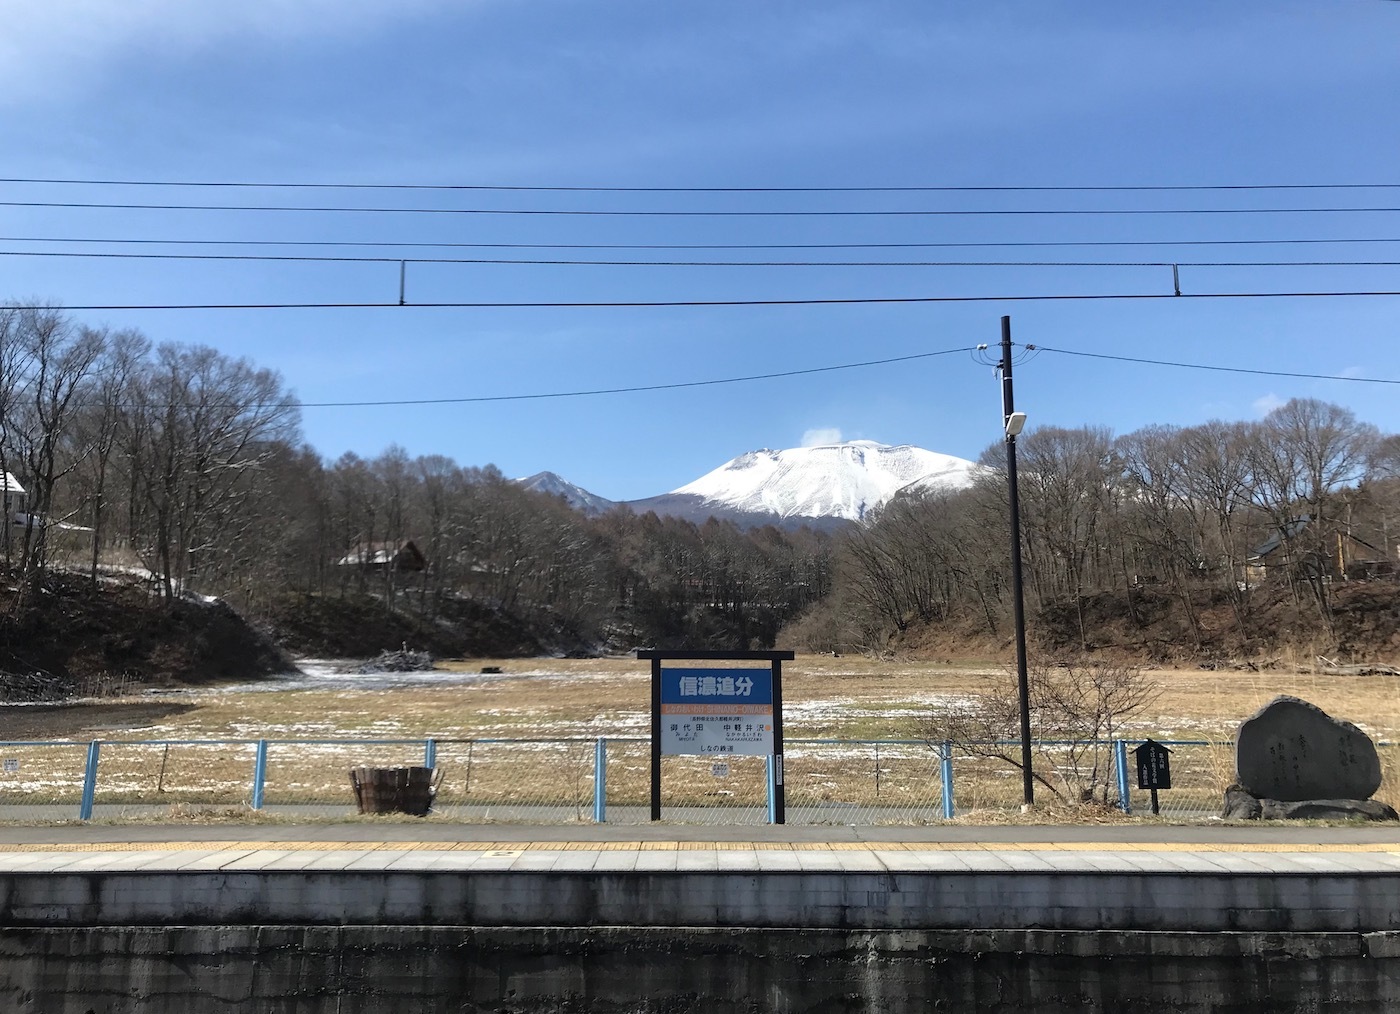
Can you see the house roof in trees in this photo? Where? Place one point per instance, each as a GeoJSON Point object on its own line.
{"type": "Point", "coordinates": [1295, 526]}
{"type": "Point", "coordinates": [1276, 539]}
{"type": "Point", "coordinates": [401, 554]}
{"type": "Point", "coordinates": [11, 485]}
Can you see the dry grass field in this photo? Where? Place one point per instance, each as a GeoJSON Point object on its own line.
{"type": "Point", "coordinates": [827, 698]}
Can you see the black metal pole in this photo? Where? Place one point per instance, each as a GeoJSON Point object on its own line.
{"type": "Point", "coordinates": [656, 739]}
{"type": "Point", "coordinates": [779, 793]}
{"type": "Point", "coordinates": [1008, 405]}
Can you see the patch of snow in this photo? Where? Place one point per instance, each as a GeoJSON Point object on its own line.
{"type": "Point", "coordinates": [329, 674]}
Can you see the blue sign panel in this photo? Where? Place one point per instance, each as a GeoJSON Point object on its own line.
{"type": "Point", "coordinates": [717, 686]}
{"type": "Point", "coordinates": [728, 711]}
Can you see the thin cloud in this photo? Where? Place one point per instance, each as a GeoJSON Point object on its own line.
{"type": "Point", "coordinates": [821, 437]}
{"type": "Point", "coordinates": [1266, 404]}
{"type": "Point", "coordinates": [82, 36]}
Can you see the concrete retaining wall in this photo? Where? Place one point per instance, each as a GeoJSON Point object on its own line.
{"type": "Point", "coordinates": [786, 942]}
{"type": "Point", "coordinates": [439, 969]}
{"type": "Point", "coordinates": [1180, 902]}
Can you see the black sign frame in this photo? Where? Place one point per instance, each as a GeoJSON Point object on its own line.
{"type": "Point", "coordinates": [775, 660]}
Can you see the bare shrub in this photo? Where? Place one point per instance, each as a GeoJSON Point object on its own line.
{"type": "Point", "coordinates": [1077, 707]}
{"type": "Point", "coordinates": [573, 764]}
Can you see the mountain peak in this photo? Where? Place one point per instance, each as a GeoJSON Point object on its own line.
{"type": "Point", "coordinates": [840, 480]}
{"type": "Point", "coordinates": [575, 496]}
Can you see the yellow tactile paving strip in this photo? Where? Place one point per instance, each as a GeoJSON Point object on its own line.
{"type": "Point", "coordinates": [688, 846]}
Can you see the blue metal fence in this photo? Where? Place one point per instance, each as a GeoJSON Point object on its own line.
{"type": "Point", "coordinates": [599, 779]}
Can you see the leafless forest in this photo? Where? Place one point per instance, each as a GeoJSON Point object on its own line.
{"type": "Point", "coordinates": [178, 461]}
{"type": "Point", "coordinates": [1244, 536]}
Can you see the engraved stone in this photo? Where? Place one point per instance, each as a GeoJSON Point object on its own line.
{"type": "Point", "coordinates": [1291, 750]}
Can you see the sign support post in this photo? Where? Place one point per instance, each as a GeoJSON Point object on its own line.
{"type": "Point", "coordinates": [779, 793]}
{"type": "Point", "coordinates": [655, 736]}
{"type": "Point", "coordinates": [718, 711]}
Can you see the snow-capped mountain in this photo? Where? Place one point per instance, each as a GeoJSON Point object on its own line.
{"type": "Point", "coordinates": [826, 487]}
{"type": "Point", "coordinates": [845, 480]}
{"type": "Point", "coordinates": [575, 496]}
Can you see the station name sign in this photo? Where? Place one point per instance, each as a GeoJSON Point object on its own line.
{"type": "Point", "coordinates": [717, 711]}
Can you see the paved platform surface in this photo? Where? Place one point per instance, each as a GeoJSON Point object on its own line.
{"type": "Point", "coordinates": [402, 847]}
{"type": "Point", "coordinates": [405, 829]}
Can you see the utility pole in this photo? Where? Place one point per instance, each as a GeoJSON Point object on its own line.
{"type": "Point", "coordinates": [1012, 421]}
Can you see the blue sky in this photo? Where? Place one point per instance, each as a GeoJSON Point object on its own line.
{"type": "Point", "coordinates": [566, 93]}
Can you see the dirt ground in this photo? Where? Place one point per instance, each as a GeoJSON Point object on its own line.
{"type": "Point", "coordinates": [84, 720]}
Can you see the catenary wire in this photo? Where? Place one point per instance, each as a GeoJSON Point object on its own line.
{"type": "Point", "coordinates": [643, 304]}
{"type": "Point", "coordinates": [950, 189]}
{"type": "Point", "coordinates": [695, 246]}
{"type": "Point", "coordinates": [654, 213]}
{"type": "Point", "coordinates": [567, 262]}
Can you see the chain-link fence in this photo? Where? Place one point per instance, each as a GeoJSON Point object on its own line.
{"type": "Point", "coordinates": [518, 780]}
{"type": "Point", "coordinates": [41, 780]}
{"type": "Point", "coordinates": [825, 781]}
{"type": "Point", "coordinates": [864, 782]}
{"type": "Point", "coordinates": [1200, 770]}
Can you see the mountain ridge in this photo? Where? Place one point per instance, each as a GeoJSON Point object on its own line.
{"type": "Point", "coordinates": [824, 486]}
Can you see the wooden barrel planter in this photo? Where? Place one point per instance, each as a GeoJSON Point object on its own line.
{"type": "Point", "coordinates": [394, 790]}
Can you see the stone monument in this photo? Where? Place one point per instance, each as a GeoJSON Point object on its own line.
{"type": "Point", "coordinates": [1293, 760]}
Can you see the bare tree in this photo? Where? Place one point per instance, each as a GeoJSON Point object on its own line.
{"type": "Point", "coordinates": [1157, 500]}
{"type": "Point", "coordinates": [100, 422]}
{"type": "Point", "coordinates": [1065, 480]}
{"type": "Point", "coordinates": [15, 381]}
{"type": "Point", "coordinates": [1215, 472]}
{"type": "Point", "coordinates": [209, 421]}
{"type": "Point", "coordinates": [61, 360]}
{"type": "Point", "coordinates": [1078, 707]}
{"type": "Point", "coordinates": [1303, 455]}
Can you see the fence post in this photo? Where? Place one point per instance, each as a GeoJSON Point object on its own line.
{"type": "Point", "coordinates": [772, 789]}
{"type": "Point", "coordinates": [1120, 760]}
{"type": "Point", "coordinates": [600, 781]}
{"type": "Point", "coordinates": [259, 774]}
{"type": "Point", "coordinates": [90, 781]}
{"type": "Point", "coordinates": [430, 754]}
{"type": "Point", "coordinates": [946, 756]}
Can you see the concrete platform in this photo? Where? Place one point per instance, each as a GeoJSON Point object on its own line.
{"type": "Point", "coordinates": [501, 853]}
{"type": "Point", "coordinates": [363, 918]}
{"type": "Point", "coordinates": [1087, 885]}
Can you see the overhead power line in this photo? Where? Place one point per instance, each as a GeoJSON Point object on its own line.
{"type": "Point", "coordinates": [639, 303]}
{"type": "Point", "coordinates": [571, 262]}
{"type": "Point", "coordinates": [515, 188]}
{"type": "Point", "coordinates": [574, 262]}
{"type": "Point", "coordinates": [808, 371]}
{"type": "Point", "coordinates": [1215, 369]}
{"type": "Point", "coordinates": [428, 245]}
{"type": "Point", "coordinates": [671, 213]}
{"type": "Point", "coordinates": [635, 389]}
{"type": "Point", "coordinates": [632, 389]}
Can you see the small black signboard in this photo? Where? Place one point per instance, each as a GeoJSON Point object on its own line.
{"type": "Point", "coordinates": [1154, 764]}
